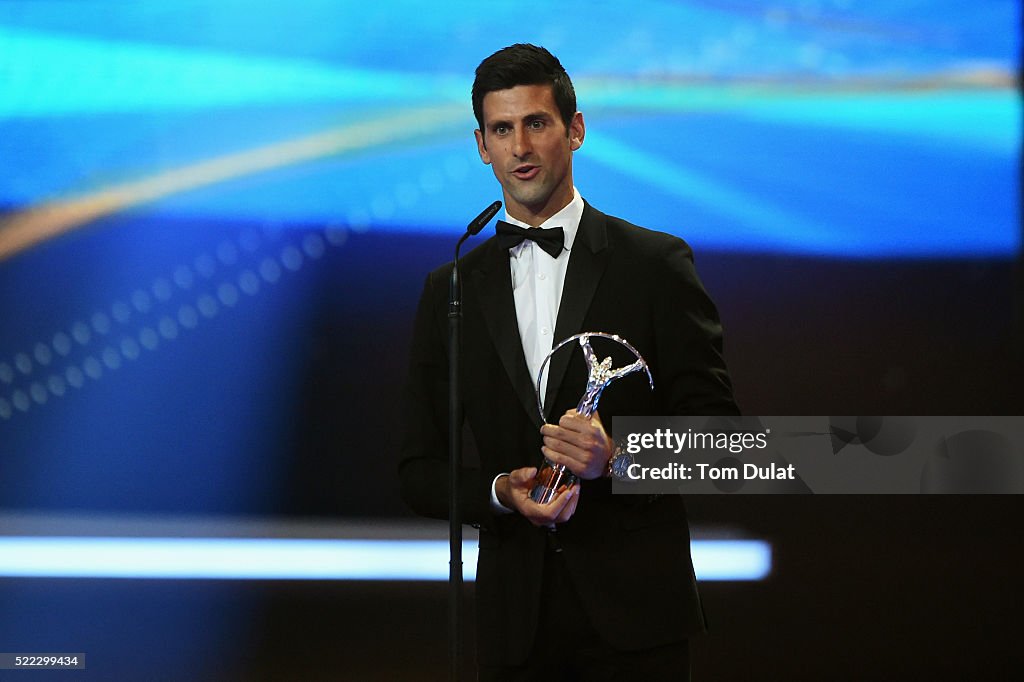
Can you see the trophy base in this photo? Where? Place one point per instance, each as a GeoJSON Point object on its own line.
{"type": "Point", "coordinates": [549, 480]}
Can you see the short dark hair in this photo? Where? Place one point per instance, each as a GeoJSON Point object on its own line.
{"type": "Point", "coordinates": [523, 64]}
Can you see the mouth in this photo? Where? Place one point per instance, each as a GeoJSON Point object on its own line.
{"type": "Point", "coordinates": [526, 172]}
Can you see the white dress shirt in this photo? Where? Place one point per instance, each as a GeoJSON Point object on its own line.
{"type": "Point", "coordinates": [537, 281]}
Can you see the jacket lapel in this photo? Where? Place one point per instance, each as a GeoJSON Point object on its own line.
{"type": "Point", "coordinates": [587, 262]}
{"type": "Point", "coordinates": [492, 281]}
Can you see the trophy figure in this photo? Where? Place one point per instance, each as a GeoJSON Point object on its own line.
{"type": "Point", "coordinates": [553, 477]}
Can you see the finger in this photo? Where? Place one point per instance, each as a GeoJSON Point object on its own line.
{"type": "Point", "coordinates": [564, 454]}
{"type": "Point", "coordinates": [574, 464]}
{"type": "Point", "coordinates": [520, 477]}
{"type": "Point", "coordinates": [563, 446]}
{"type": "Point", "coordinates": [580, 448]}
{"type": "Point", "coordinates": [561, 439]}
{"type": "Point", "coordinates": [553, 507]}
{"type": "Point", "coordinates": [570, 508]}
{"type": "Point", "coordinates": [557, 431]}
{"type": "Point", "coordinates": [579, 439]}
{"type": "Point", "coordinates": [572, 421]}
{"type": "Point", "coordinates": [559, 502]}
{"type": "Point", "coordinates": [548, 513]}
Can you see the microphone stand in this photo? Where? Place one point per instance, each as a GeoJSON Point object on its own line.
{"type": "Point", "coordinates": [455, 449]}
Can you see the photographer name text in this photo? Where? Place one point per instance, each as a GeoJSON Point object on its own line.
{"type": "Point", "coordinates": [711, 472]}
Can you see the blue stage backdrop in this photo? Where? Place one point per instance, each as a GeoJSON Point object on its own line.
{"type": "Point", "coordinates": [217, 215]}
{"type": "Point", "coordinates": [852, 129]}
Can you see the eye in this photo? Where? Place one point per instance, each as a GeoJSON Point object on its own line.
{"type": "Point", "coordinates": [536, 125]}
{"type": "Point", "coordinates": [500, 130]}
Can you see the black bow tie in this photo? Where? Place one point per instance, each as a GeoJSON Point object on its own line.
{"type": "Point", "coordinates": [551, 239]}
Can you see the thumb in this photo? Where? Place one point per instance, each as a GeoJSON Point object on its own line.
{"type": "Point", "coordinates": [521, 476]}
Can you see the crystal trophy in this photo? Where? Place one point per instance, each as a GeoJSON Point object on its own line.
{"type": "Point", "coordinates": [553, 477]}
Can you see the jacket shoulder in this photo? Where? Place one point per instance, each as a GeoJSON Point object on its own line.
{"type": "Point", "coordinates": [643, 241]}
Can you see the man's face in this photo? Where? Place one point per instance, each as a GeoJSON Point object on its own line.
{"type": "Point", "coordinates": [525, 142]}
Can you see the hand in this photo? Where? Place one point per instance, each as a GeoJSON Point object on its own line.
{"type": "Point", "coordinates": [581, 445]}
{"type": "Point", "coordinates": [513, 491]}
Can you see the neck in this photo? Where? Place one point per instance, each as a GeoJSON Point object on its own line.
{"type": "Point", "coordinates": [535, 216]}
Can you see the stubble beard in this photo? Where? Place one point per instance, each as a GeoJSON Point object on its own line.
{"type": "Point", "coordinates": [535, 194]}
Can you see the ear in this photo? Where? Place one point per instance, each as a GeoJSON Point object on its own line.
{"type": "Point", "coordinates": [577, 131]}
{"type": "Point", "coordinates": [481, 147]}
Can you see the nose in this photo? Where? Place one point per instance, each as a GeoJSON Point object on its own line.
{"type": "Point", "coordinates": [521, 143]}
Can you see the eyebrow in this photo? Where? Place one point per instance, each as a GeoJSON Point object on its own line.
{"type": "Point", "coordinates": [528, 117]}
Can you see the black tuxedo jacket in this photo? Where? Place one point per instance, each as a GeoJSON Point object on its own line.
{"type": "Point", "coordinates": [628, 555]}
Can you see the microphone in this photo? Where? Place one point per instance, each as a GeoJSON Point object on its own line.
{"type": "Point", "coordinates": [455, 444]}
{"type": "Point", "coordinates": [485, 217]}
{"type": "Point", "coordinates": [475, 225]}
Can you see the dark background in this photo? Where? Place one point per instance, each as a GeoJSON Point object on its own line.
{"type": "Point", "coordinates": [862, 587]}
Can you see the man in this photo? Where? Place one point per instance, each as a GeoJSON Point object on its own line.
{"type": "Point", "coordinates": [589, 585]}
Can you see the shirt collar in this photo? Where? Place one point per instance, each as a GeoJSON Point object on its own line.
{"type": "Point", "coordinates": [568, 219]}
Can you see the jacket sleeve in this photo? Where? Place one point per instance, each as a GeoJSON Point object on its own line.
{"type": "Point", "coordinates": [423, 469]}
{"type": "Point", "coordinates": [689, 340]}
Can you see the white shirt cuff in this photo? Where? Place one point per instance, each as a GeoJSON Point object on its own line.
{"type": "Point", "coordinates": [496, 506]}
